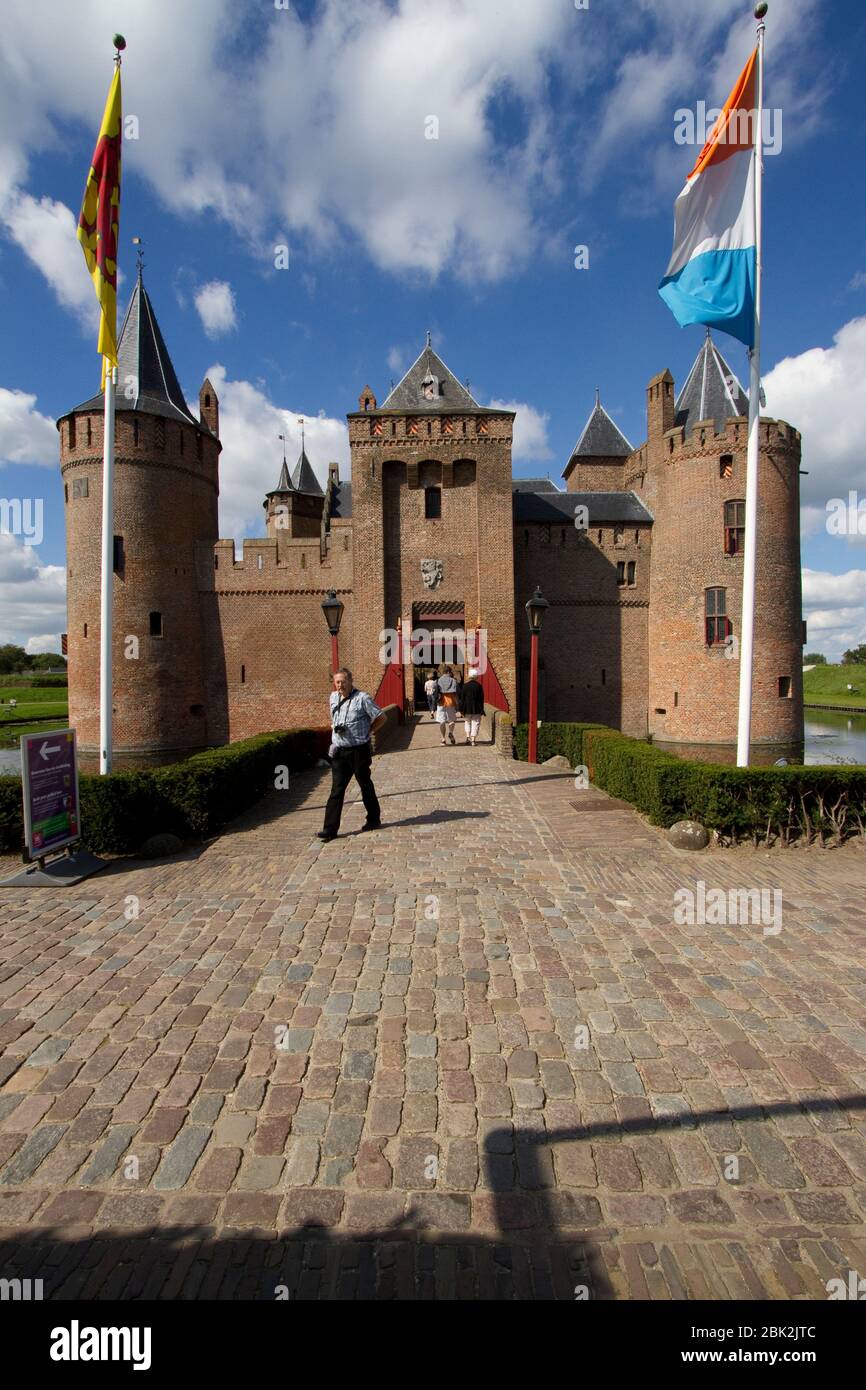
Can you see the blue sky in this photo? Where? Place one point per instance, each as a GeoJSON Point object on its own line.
{"type": "Point", "coordinates": [308, 125]}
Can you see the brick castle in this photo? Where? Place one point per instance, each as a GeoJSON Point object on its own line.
{"type": "Point", "coordinates": [433, 530]}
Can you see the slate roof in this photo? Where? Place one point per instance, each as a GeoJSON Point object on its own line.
{"type": "Point", "coordinates": [604, 507]}
{"type": "Point", "coordinates": [341, 500]}
{"type": "Point", "coordinates": [711, 391]}
{"type": "Point", "coordinates": [284, 482]}
{"type": "Point", "coordinates": [407, 394]}
{"type": "Point", "coordinates": [601, 438]}
{"type": "Point", "coordinates": [533, 485]}
{"type": "Point", "coordinates": [304, 479]}
{"type": "Point", "coordinates": [144, 367]}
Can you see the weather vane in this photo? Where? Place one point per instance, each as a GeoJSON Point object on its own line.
{"type": "Point", "coordinates": [138, 243]}
{"type": "Point", "coordinates": [283, 438]}
{"type": "Point", "coordinates": [301, 423]}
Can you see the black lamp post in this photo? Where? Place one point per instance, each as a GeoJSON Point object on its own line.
{"type": "Point", "coordinates": [333, 611]}
{"type": "Point", "coordinates": [535, 610]}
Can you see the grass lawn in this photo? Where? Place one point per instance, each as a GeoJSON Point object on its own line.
{"type": "Point", "coordinates": [33, 703]}
{"type": "Point", "coordinates": [827, 685]}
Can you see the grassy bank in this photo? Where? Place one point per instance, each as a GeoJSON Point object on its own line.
{"type": "Point", "coordinates": [38, 710]}
{"type": "Point", "coordinates": [828, 685]}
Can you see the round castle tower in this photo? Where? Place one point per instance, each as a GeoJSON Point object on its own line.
{"type": "Point", "coordinates": [165, 503]}
{"type": "Point", "coordinates": [692, 475]}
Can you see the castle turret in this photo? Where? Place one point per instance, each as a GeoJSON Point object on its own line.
{"type": "Point", "coordinates": [165, 501]}
{"type": "Point", "coordinates": [294, 508]}
{"type": "Point", "coordinates": [692, 476]}
{"type": "Point", "coordinates": [597, 462]}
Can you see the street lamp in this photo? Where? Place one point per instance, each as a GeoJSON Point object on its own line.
{"type": "Point", "coordinates": [535, 610]}
{"type": "Point", "coordinates": [333, 611]}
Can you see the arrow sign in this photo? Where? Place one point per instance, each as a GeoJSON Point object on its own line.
{"type": "Point", "coordinates": [47, 749]}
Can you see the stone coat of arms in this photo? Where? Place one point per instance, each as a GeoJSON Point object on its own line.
{"type": "Point", "coordinates": [431, 573]}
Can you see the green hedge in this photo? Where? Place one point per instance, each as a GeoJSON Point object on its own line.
{"type": "Point", "coordinates": [191, 799]}
{"type": "Point", "coordinates": [762, 803]}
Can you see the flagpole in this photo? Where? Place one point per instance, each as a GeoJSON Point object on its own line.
{"type": "Point", "coordinates": [107, 594]}
{"type": "Point", "coordinates": [747, 633]}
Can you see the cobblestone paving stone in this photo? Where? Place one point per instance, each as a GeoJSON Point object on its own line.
{"type": "Point", "coordinates": [469, 1056]}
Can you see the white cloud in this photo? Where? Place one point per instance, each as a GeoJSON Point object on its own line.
{"type": "Point", "coordinates": [46, 232]}
{"type": "Point", "coordinates": [252, 455]}
{"type": "Point", "coordinates": [306, 133]}
{"type": "Point", "coordinates": [26, 436]}
{"type": "Point", "coordinates": [215, 303]}
{"type": "Point", "coordinates": [43, 642]}
{"type": "Point", "coordinates": [530, 431]}
{"type": "Point", "coordinates": [821, 393]}
{"type": "Point", "coordinates": [396, 362]}
{"type": "Point", "coordinates": [32, 595]}
{"type": "Point", "coordinates": [834, 606]}
{"type": "Point", "coordinates": [858, 281]}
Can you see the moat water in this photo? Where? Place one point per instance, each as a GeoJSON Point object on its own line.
{"type": "Point", "coordinates": [831, 737]}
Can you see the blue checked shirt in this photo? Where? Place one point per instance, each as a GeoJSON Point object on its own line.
{"type": "Point", "coordinates": [357, 713]}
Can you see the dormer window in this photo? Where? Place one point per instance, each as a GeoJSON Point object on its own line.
{"type": "Point", "coordinates": [430, 388]}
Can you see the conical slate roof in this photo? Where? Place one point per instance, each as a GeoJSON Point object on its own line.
{"type": "Point", "coordinates": [711, 391]}
{"type": "Point", "coordinates": [601, 438]}
{"type": "Point", "coordinates": [284, 482]}
{"type": "Point", "coordinates": [442, 392]}
{"type": "Point", "coordinates": [146, 379]}
{"type": "Point", "coordinates": [304, 479]}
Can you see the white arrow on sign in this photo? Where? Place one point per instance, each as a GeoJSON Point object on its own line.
{"type": "Point", "coordinates": [47, 749]}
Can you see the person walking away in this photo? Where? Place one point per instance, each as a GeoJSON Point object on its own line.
{"type": "Point", "coordinates": [431, 690]}
{"type": "Point", "coordinates": [354, 717]}
{"type": "Point", "coordinates": [472, 706]}
{"type": "Point", "coordinates": [446, 713]}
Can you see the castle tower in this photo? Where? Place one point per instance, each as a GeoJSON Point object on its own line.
{"type": "Point", "coordinates": [692, 476]}
{"type": "Point", "coordinates": [597, 462]}
{"type": "Point", "coordinates": [432, 519]}
{"type": "Point", "coordinates": [294, 507]}
{"type": "Point", "coordinates": [165, 501]}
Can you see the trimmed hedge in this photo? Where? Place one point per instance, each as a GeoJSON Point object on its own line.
{"type": "Point", "coordinates": [191, 799]}
{"type": "Point", "coordinates": [765, 804]}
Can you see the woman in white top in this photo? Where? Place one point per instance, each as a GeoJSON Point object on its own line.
{"type": "Point", "coordinates": [431, 690]}
{"type": "Point", "coordinates": [446, 714]}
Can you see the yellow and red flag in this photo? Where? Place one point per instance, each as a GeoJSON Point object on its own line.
{"type": "Point", "coordinates": [99, 222]}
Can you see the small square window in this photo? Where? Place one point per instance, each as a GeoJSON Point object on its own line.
{"type": "Point", "coordinates": [80, 487]}
{"type": "Point", "coordinates": [784, 687]}
{"type": "Point", "coordinates": [726, 466]}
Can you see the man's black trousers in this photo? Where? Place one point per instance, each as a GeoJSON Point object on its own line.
{"type": "Point", "coordinates": [346, 764]}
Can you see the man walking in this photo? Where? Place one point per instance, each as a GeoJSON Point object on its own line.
{"type": "Point", "coordinates": [354, 717]}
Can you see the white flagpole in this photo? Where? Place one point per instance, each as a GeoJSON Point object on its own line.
{"type": "Point", "coordinates": [105, 623]}
{"type": "Point", "coordinates": [747, 634]}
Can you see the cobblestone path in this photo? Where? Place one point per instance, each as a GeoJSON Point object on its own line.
{"type": "Point", "coordinates": [468, 1056]}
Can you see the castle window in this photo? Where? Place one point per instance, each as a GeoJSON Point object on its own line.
{"type": "Point", "coordinates": [243, 675]}
{"type": "Point", "coordinates": [180, 432]}
{"type": "Point", "coordinates": [72, 431]}
{"type": "Point", "coordinates": [676, 698]}
{"type": "Point", "coordinates": [784, 687]}
{"type": "Point", "coordinates": [216, 562]}
{"type": "Point", "coordinates": [620, 572]}
{"type": "Point", "coordinates": [411, 426]}
{"type": "Point", "coordinates": [393, 428]}
{"type": "Point", "coordinates": [207, 400]}
{"type": "Point", "coordinates": [85, 629]}
{"type": "Point", "coordinates": [482, 427]}
{"type": "Point", "coordinates": [80, 488]}
{"type": "Point", "coordinates": [618, 535]}
{"type": "Point", "coordinates": [735, 527]}
{"type": "Point", "coordinates": [562, 537]}
{"type": "Point", "coordinates": [726, 466]}
{"type": "Point", "coordinates": [135, 433]}
{"type": "Point", "coordinates": [637, 535]}
{"type": "Point", "coordinates": [156, 624]}
{"type": "Point", "coordinates": [303, 560]}
{"type": "Point", "coordinates": [630, 572]}
{"type": "Point", "coordinates": [159, 432]}
{"type": "Point", "coordinates": [603, 676]}
{"type": "Point", "coordinates": [261, 561]}
{"type": "Point", "coordinates": [375, 426]}
{"type": "Point", "coordinates": [601, 537]}
{"type": "Point", "coordinates": [199, 443]}
{"type": "Point", "coordinates": [89, 432]}
{"type": "Point", "coordinates": [119, 556]}
{"type": "Point", "coordinates": [447, 425]}
{"type": "Point", "coordinates": [66, 492]}
{"type": "Point", "coordinates": [432, 503]}
{"type": "Point", "coordinates": [718, 624]}
{"type": "Point", "coordinates": [345, 542]}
